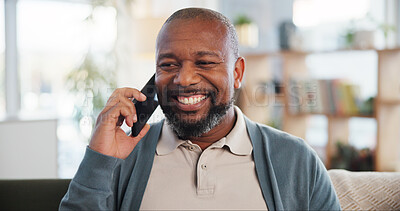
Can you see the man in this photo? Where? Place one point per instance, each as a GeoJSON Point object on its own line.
{"type": "Point", "coordinates": [206, 155]}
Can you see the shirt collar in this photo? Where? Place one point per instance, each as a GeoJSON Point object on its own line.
{"type": "Point", "coordinates": [237, 139]}
{"type": "Point", "coordinates": [168, 140]}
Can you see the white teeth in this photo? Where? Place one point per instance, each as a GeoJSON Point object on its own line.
{"type": "Point", "coordinates": [190, 100]}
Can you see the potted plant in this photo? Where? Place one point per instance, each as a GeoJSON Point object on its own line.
{"type": "Point", "coordinates": [247, 31]}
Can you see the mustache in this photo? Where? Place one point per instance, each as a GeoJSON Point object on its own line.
{"type": "Point", "coordinates": [182, 91]}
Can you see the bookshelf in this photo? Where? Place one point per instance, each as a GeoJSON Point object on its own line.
{"type": "Point", "coordinates": [387, 109]}
{"type": "Point", "coordinates": [254, 98]}
{"type": "Point", "coordinates": [386, 105]}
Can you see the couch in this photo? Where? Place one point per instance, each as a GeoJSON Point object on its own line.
{"type": "Point", "coordinates": [43, 194]}
{"type": "Point", "coordinates": [367, 190]}
{"type": "Point", "coordinates": [356, 191]}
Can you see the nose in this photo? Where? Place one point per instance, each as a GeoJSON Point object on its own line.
{"type": "Point", "coordinates": [186, 76]}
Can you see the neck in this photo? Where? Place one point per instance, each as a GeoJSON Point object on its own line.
{"type": "Point", "coordinates": [218, 132]}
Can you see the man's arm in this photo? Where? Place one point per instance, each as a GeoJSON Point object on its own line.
{"type": "Point", "coordinates": [323, 195]}
{"type": "Point", "coordinates": [94, 185]}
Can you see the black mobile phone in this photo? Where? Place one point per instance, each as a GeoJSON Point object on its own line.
{"type": "Point", "coordinates": [145, 109]}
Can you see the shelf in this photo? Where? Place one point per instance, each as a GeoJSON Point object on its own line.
{"type": "Point", "coordinates": [390, 102]}
{"type": "Point", "coordinates": [386, 103]}
{"type": "Point", "coordinates": [341, 50]}
{"type": "Point", "coordinates": [351, 115]}
{"type": "Point", "coordinates": [293, 52]}
{"type": "Point", "coordinates": [336, 115]}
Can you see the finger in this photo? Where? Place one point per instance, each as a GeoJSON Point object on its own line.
{"type": "Point", "coordinates": [128, 103]}
{"type": "Point", "coordinates": [120, 120]}
{"type": "Point", "coordinates": [112, 101]}
{"type": "Point", "coordinates": [131, 93]}
{"type": "Point", "coordinates": [116, 115]}
{"type": "Point", "coordinates": [123, 94]}
{"type": "Point", "coordinates": [132, 117]}
{"type": "Point", "coordinates": [128, 113]}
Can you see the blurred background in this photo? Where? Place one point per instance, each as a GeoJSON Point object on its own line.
{"type": "Point", "coordinates": [325, 70]}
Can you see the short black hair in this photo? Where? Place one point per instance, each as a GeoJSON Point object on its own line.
{"type": "Point", "coordinates": [209, 15]}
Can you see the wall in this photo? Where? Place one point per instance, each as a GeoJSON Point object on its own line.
{"type": "Point", "coordinates": [28, 149]}
{"type": "Point", "coordinates": [267, 14]}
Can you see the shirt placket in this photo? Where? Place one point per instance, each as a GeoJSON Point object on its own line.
{"type": "Point", "coordinates": [205, 178]}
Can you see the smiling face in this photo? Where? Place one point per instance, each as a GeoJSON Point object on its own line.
{"type": "Point", "coordinates": [196, 75]}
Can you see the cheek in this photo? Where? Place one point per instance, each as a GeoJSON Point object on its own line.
{"type": "Point", "coordinates": [224, 86]}
{"type": "Point", "coordinates": [161, 81]}
{"type": "Point", "coordinates": [165, 82]}
{"type": "Point", "coordinates": [163, 78]}
{"type": "Point", "coordinates": [229, 78]}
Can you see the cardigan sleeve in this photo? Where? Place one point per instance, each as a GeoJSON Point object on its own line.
{"type": "Point", "coordinates": [93, 185]}
{"type": "Point", "coordinates": [323, 195]}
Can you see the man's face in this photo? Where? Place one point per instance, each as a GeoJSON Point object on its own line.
{"type": "Point", "coordinates": [195, 74]}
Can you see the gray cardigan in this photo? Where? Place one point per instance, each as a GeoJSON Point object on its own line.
{"type": "Point", "coordinates": [290, 174]}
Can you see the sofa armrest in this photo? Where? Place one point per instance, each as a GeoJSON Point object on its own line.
{"type": "Point", "coordinates": [367, 190]}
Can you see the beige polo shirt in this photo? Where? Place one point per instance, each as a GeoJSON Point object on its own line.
{"type": "Point", "coordinates": [222, 176]}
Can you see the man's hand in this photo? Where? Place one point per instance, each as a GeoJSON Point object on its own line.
{"type": "Point", "coordinates": [108, 138]}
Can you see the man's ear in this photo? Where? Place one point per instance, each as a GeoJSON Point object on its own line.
{"type": "Point", "coordinates": [239, 72]}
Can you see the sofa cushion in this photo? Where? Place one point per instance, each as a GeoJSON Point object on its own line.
{"type": "Point", "coordinates": [367, 190]}
{"type": "Point", "coordinates": [44, 194]}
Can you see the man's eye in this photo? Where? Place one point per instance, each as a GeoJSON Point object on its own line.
{"type": "Point", "coordinates": [167, 66]}
{"type": "Point", "coordinates": [206, 63]}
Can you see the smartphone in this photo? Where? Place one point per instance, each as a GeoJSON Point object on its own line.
{"type": "Point", "coordinates": [145, 109]}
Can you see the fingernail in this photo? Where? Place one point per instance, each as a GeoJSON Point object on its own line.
{"type": "Point", "coordinates": [142, 96]}
{"type": "Point", "coordinates": [134, 118]}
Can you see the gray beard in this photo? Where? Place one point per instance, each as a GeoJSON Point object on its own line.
{"type": "Point", "coordinates": [186, 129]}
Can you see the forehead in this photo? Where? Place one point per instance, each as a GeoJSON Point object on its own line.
{"type": "Point", "coordinates": [193, 34]}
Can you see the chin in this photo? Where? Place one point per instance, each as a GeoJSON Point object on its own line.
{"type": "Point", "coordinates": [193, 124]}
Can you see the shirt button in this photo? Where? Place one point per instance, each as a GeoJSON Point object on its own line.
{"type": "Point", "coordinates": [204, 166]}
{"type": "Point", "coordinates": [191, 148]}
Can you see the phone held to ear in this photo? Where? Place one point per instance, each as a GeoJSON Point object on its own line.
{"type": "Point", "coordinates": [145, 109]}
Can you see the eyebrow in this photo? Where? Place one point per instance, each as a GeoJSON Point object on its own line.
{"type": "Point", "coordinates": [208, 53]}
{"type": "Point", "coordinates": [198, 53]}
{"type": "Point", "coordinates": [166, 55]}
